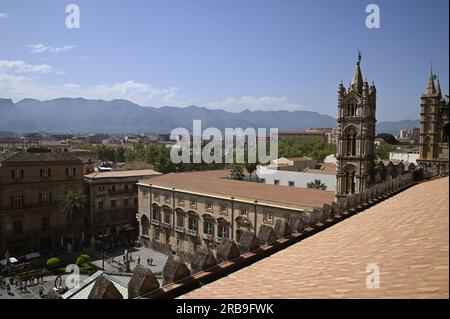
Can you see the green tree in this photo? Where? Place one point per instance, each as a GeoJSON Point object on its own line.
{"type": "Point", "coordinates": [382, 151]}
{"type": "Point", "coordinates": [74, 208]}
{"type": "Point", "coordinates": [317, 184]}
{"type": "Point", "coordinates": [236, 171]}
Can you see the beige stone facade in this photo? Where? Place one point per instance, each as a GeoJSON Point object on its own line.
{"type": "Point", "coordinates": [434, 128]}
{"type": "Point", "coordinates": [356, 134]}
{"type": "Point", "coordinates": [113, 200]}
{"type": "Point", "coordinates": [182, 216]}
{"type": "Point", "coordinates": [31, 185]}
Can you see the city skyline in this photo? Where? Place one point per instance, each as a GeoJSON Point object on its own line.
{"type": "Point", "coordinates": [223, 55]}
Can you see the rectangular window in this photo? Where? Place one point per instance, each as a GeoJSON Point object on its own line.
{"type": "Point", "coordinates": [45, 172]}
{"type": "Point", "coordinates": [45, 223]}
{"type": "Point", "coordinates": [17, 173]}
{"type": "Point", "coordinates": [262, 180]}
{"type": "Point", "coordinates": [17, 201]}
{"type": "Point", "coordinates": [192, 222]}
{"type": "Point", "coordinates": [223, 209]}
{"type": "Point", "coordinates": [276, 182]}
{"type": "Point", "coordinates": [135, 201]}
{"type": "Point", "coordinates": [292, 184]}
{"type": "Point", "coordinates": [193, 203]}
{"type": "Point", "coordinates": [125, 187]}
{"type": "Point", "coordinates": [208, 227]}
{"type": "Point", "coordinates": [125, 202]}
{"type": "Point", "coordinates": [223, 230]}
{"type": "Point", "coordinates": [180, 220]}
{"type": "Point", "coordinates": [113, 203]}
{"type": "Point", "coordinates": [268, 217]}
{"type": "Point", "coordinates": [208, 206]}
{"type": "Point", "coordinates": [70, 171]}
{"type": "Point", "coordinates": [244, 212]}
{"type": "Point", "coordinates": [45, 198]}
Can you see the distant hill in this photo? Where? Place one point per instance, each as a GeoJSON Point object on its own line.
{"type": "Point", "coordinates": [68, 115]}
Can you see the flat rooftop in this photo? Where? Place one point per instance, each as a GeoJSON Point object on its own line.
{"type": "Point", "coordinates": [406, 236]}
{"type": "Point", "coordinates": [217, 183]}
{"type": "Point", "coordinates": [122, 173]}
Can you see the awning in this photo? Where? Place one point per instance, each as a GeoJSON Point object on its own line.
{"type": "Point", "coordinates": [32, 255]}
{"type": "Point", "coordinates": [12, 260]}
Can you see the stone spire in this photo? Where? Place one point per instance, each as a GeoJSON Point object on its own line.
{"type": "Point", "coordinates": [357, 82]}
{"type": "Point", "coordinates": [431, 89]}
{"type": "Point", "coordinates": [438, 87]}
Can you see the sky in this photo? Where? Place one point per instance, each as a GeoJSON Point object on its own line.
{"type": "Point", "coordinates": [226, 54]}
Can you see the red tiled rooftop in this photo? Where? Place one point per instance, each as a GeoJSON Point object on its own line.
{"type": "Point", "coordinates": [407, 236]}
{"type": "Point", "coordinates": [217, 183]}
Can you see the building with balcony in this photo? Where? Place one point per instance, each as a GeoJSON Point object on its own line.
{"type": "Point", "coordinates": [181, 211]}
{"type": "Point", "coordinates": [113, 201]}
{"type": "Point", "coordinates": [32, 182]}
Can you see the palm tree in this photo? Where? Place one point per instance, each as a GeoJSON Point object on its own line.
{"type": "Point", "coordinates": [250, 167]}
{"type": "Point", "coordinates": [317, 184]}
{"type": "Point", "coordinates": [236, 172]}
{"type": "Point", "coordinates": [74, 207]}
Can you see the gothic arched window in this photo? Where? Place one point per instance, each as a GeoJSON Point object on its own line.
{"type": "Point", "coordinates": [351, 108]}
{"type": "Point", "coordinates": [350, 180]}
{"type": "Point", "coordinates": [350, 143]}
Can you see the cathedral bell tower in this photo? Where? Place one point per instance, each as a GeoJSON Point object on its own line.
{"type": "Point", "coordinates": [355, 135]}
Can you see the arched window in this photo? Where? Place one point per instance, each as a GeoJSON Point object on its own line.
{"type": "Point", "coordinates": [350, 143]}
{"type": "Point", "coordinates": [350, 180]}
{"type": "Point", "coordinates": [167, 214]}
{"type": "Point", "coordinates": [351, 108]}
{"type": "Point", "coordinates": [144, 225]}
{"type": "Point", "coordinates": [156, 212]}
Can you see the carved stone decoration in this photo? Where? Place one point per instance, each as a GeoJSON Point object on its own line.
{"type": "Point", "coordinates": [281, 229]}
{"type": "Point", "coordinates": [266, 234]}
{"type": "Point", "coordinates": [248, 241]}
{"type": "Point", "coordinates": [316, 216]}
{"type": "Point", "coordinates": [203, 259]}
{"type": "Point", "coordinates": [142, 282]}
{"type": "Point", "coordinates": [326, 211]}
{"type": "Point", "coordinates": [227, 250]}
{"type": "Point", "coordinates": [295, 222]}
{"type": "Point", "coordinates": [175, 269]}
{"type": "Point", "coordinates": [104, 289]}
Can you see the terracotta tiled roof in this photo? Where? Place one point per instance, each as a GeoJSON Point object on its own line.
{"type": "Point", "coordinates": [217, 183]}
{"type": "Point", "coordinates": [327, 168]}
{"type": "Point", "coordinates": [407, 236]}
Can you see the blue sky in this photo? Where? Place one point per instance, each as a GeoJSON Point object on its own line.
{"type": "Point", "coordinates": [233, 54]}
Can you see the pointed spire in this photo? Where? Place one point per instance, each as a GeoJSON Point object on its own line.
{"type": "Point", "coordinates": [357, 82]}
{"type": "Point", "coordinates": [431, 89]}
{"type": "Point", "coordinates": [438, 87]}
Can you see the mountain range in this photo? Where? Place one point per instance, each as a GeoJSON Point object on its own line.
{"type": "Point", "coordinates": [78, 115]}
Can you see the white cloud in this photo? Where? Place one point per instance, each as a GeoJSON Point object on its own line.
{"type": "Point", "coordinates": [72, 86]}
{"type": "Point", "coordinates": [18, 66]}
{"type": "Point", "coordinates": [19, 80]}
{"type": "Point", "coordinates": [265, 103]}
{"type": "Point", "coordinates": [40, 48]}
{"type": "Point", "coordinates": [4, 15]}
